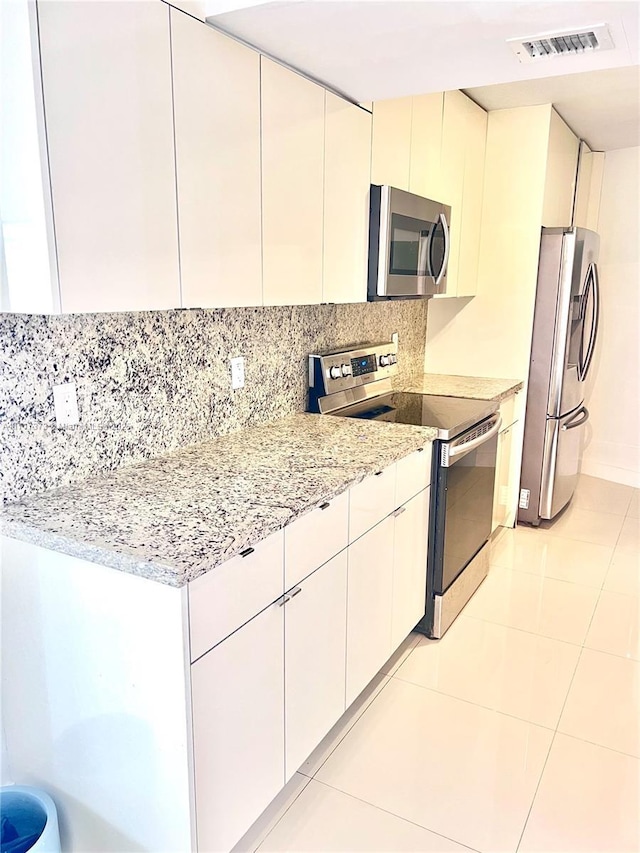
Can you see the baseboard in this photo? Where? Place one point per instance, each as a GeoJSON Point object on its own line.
{"type": "Point", "coordinates": [625, 476]}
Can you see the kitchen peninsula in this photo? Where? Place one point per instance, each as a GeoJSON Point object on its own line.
{"type": "Point", "coordinates": [154, 679]}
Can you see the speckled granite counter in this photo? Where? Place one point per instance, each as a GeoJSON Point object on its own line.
{"type": "Point", "coordinates": [470, 387]}
{"type": "Point", "coordinates": [175, 517]}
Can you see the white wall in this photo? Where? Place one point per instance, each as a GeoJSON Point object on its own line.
{"type": "Point", "coordinates": [612, 444]}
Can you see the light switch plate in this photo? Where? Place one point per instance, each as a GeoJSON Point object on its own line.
{"type": "Point", "coordinates": [65, 404]}
{"type": "Point", "coordinates": [237, 372]}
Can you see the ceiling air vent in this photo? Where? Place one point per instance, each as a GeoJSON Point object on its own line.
{"type": "Point", "coordinates": [561, 43]}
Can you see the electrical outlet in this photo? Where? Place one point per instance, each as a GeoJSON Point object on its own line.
{"type": "Point", "coordinates": [237, 372]}
{"type": "Point", "coordinates": [65, 404]}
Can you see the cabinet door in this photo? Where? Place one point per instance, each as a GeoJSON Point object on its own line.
{"type": "Point", "coordinates": [347, 171]}
{"type": "Point", "coordinates": [475, 146]}
{"type": "Point", "coordinates": [292, 186]}
{"type": "Point", "coordinates": [238, 729]}
{"type": "Point", "coordinates": [217, 165]}
{"type": "Point", "coordinates": [502, 495]}
{"type": "Point", "coordinates": [426, 145]}
{"type": "Point", "coordinates": [106, 70]}
{"type": "Point", "coordinates": [369, 595]}
{"type": "Point", "coordinates": [452, 175]}
{"type": "Point", "coordinates": [409, 566]}
{"type": "Point", "coordinates": [391, 144]}
{"type": "Point", "coordinates": [315, 619]}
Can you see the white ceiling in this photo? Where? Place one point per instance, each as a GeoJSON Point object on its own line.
{"type": "Point", "coordinates": [601, 107]}
{"type": "Point", "coordinates": [389, 48]}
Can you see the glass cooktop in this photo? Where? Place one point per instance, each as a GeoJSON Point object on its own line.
{"type": "Point", "coordinates": [449, 415]}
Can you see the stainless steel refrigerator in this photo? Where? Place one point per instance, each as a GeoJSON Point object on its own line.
{"type": "Point", "coordinates": [565, 327]}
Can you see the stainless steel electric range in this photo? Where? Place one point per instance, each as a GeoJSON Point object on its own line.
{"type": "Point", "coordinates": [356, 383]}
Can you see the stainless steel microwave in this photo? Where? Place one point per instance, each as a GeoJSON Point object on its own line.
{"type": "Point", "coordinates": [408, 245]}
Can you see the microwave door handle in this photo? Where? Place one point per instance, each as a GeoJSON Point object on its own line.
{"type": "Point", "coordinates": [442, 219]}
{"type": "Point", "coordinates": [424, 261]}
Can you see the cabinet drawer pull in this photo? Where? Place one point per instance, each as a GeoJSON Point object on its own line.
{"type": "Point", "coordinates": [420, 449]}
{"type": "Point", "coordinates": [399, 511]}
{"type": "Point", "coordinates": [246, 552]}
{"type": "Point", "coordinates": [325, 505]}
{"type": "Point", "coordinates": [295, 591]}
{"type": "Point", "coordinates": [377, 474]}
{"type": "Point", "coordinates": [283, 600]}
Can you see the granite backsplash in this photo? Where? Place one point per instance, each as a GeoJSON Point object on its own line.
{"type": "Point", "coordinates": [151, 382]}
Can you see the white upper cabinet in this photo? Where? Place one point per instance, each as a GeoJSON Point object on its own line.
{"type": "Point", "coordinates": [426, 145]}
{"type": "Point", "coordinates": [391, 147]}
{"type": "Point", "coordinates": [588, 188]}
{"type": "Point", "coordinates": [452, 176]}
{"type": "Point", "coordinates": [464, 136]}
{"type": "Point", "coordinates": [560, 183]}
{"type": "Point", "coordinates": [475, 148]}
{"type": "Point", "coordinates": [106, 73]}
{"type": "Point", "coordinates": [347, 175]}
{"type": "Point", "coordinates": [216, 84]}
{"type": "Point", "coordinates": [292, 186]}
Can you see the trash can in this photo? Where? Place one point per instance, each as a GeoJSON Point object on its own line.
{"type": "Point", "coordinates": [28, 821]}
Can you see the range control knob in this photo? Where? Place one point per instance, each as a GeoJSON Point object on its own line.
{"type": "Point", "coordinates": [384, 360]}
{"type": "Point", "coordinates": [334, 372]}
{"type": "Point", "coordinates": [346, 370]}
{"type": "Point", "coordinates": [394, 358]}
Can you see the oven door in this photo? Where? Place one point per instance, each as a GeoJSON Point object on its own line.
{"type": "Point", "coordinates": [412, 243]}
{"type": "Point", "coordinates": [462, 514]}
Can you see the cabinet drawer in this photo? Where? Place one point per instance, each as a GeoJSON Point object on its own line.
{"type": "Point", "coordinates": [413, 474]}
{"type": "Point", "coordinates": [231, 594]}
{"type": "Point", "coordinates": [508, 411]}
{"type": "Point", "coordinates": [315, 538]}
{"type": "Point", "coordinates": [371, 501]}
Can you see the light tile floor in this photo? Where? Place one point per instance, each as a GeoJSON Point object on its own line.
{"type": "Point", "coordinates": [518, 731]}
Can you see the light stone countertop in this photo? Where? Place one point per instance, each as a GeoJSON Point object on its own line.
{"type": "Point", "coordinates": [468, 387]}
{"type": "Point", "coordinates": [173, 518]}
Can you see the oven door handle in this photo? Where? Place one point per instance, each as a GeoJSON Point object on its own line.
{"type": "Point", "coordinates": [459, 450]}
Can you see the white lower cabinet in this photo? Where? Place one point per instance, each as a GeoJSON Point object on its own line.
{"type": "Point", "coordinates": [315, 637]}
{"type": "Point", "coordinates": [505, 494]}
{"type": "Point", "coordinates": [370, 589]}
{"type": "Point", "coordinates": [265, 696]}
{"type": "Point", "coordinates": [409, 566]}
{"type": "Point", "coordinates": [238, 729]}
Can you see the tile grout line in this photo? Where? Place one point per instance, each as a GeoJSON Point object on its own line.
{"type": "Point", "coordinates": [399, 817]}
{"type": "Point", "coordinates": [544, 766]}
{"type": "Point", "coordinates": [564, 704]}
{"type": "Point", "coordinates": [524, 630]}
{"type": "Point", "coordinates": [262, 840]}
{"type": "Point", "coordinates": [476, 704]}
{"type": "Point", "coordinates": [348, 731]}
{"type": "Point", "coordinates": [600, 746]}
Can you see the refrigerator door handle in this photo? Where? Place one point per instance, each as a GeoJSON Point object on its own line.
{"type": "Point", "coordinates": [573, 423]}
{"type": "Point", "coordinates": [592, 283]}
